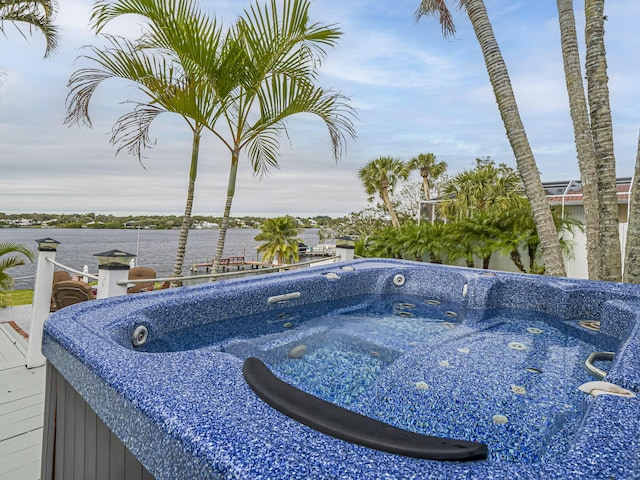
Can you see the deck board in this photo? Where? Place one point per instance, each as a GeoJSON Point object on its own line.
{"type": "Point", "coordinates": [21, 456]}
{"type": "Point", "coordinates": [21, 412]}
{"type": "Point", "coordinates": [10, 354]}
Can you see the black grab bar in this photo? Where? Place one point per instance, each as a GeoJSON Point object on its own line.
{"type": "Point", "coordinates": [351, 426]}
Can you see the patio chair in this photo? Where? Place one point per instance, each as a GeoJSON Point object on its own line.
{"type": "Point", "coordinates": [68, 292]}
{"type": "Point", "coordinates": [58, 276]}
{"type": "Point", "coordinates": [140, 273]}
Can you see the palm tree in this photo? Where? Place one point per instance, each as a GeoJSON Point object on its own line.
{"type": "Point", "coordinates": [165, 76]}
{"type": "Point", "coordinates": [475, 236]}
{"type": "Point", "coordinates": [37, 14]}
{"type": "Point", "coordinates": [8, 248]}
{"type": "Point", "coordinates": [422, 242]}
{"type": "Point", "coordinates": [270, 63]}
{"type": "Point", "coordinates": [281, 240]}
{"type": "Point", "coordinates": [381, 176]}
{"type": "Point", "coordinates": [602, 131]}
{"type": "Point", "coordinates": [483, 188]}
{"type": "Point", "coordinates": [430, 169]}
{"type": "Point", "coordinates": [597, 166]}
{"type": "Point", "coordinates": [384, 244]}
{"type": "Point", "coordinates": [508, 108]}
{"type": "Point", "coordinates": [278, 54]}
{"type": "Point", "coordinates": [267, 74]}
{"type": "Point", "coordinates": [582, 132]}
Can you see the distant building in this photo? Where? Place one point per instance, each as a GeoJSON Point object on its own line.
{"type": "Point", "coordinates": [568, 195]}
{"type": "Point", "coordinates": [204, 225]}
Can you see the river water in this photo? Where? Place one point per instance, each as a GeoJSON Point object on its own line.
{"type": "Point", "coordinates": [154, 248]}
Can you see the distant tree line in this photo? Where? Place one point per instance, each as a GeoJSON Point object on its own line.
{"type": "Point", "coordinates": [157, 222]}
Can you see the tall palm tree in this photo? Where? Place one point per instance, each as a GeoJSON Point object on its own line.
{"type": "Point", "coordinates": [267, 74]}
{"type": "Point", "coordinates": [38, 14]}
{"type": "Point", "coordinates": [602, 131]}
{"type": "Point", "coordinates": [281, 240]}
{"type": "Point", "coordinates": [430, 169]}
{"type": "Point", "coordinates": [597, 163]}
{"type": "Point", "coordinates": [381, 176]}
{"type": "Point", "coordinates": [8, 248]}
{"type": "Point", "coordinates": [279, 52]}
{"type": "Point", "coordinates": [583, 137]}
{"type": "Point", "coordinates": [161, 64]}
{"type": "Point", "coordinates": [168, 89]}
{"type": "Point", "coordinates": [508, 108]}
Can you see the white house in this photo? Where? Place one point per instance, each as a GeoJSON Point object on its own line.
{"type": "Point", "coordinates": [568, 195]}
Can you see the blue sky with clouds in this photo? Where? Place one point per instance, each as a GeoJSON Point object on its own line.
{"type": "Point", "coordinates": [414, 91]}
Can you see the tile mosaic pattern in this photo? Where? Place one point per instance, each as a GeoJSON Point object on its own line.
{"type": "Point", "coordinates": [187, 413]}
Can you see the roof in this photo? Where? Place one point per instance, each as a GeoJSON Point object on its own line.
{"type": "Point", "coordinates": [570, 192]}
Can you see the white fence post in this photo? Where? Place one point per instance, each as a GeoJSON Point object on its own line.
{"type": "Point", "coordinates": [113, 268]}
{"type": "Point", "coordinates": [108, 278]}
{"type": "Point", "coordinates": [41, 300]}
{"type": "Point", "coordinates": [345, 247]}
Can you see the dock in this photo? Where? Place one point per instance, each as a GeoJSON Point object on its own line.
{"type": "Point", "coordinates": [228, 264]}
{"type": "Point", "coordinates": [21, 400]}
{"type": "Point", "coordinates": [241, 263]}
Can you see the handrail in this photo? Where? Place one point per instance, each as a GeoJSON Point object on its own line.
{"type": "Point", "coordinates": [592, 369]}
{"type": "Point", "coordinates": [72, 270]}
{"type": "Point", "coordinates": [229, 275]}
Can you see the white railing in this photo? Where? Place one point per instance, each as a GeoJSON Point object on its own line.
{"type": "Point", "coordinates": [84, 273]}
{"type": "Point", "coordinates": [239, 273]}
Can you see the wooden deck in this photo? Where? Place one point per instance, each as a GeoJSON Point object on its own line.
{"type": "Point", "coordinates": [21, 409]}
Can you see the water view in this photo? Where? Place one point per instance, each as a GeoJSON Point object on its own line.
{"type": "Point", "coordinates": [154, 248]}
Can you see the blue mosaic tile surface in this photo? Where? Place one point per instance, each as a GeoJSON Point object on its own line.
{"type": "Point", "coordinates": [186, 412]}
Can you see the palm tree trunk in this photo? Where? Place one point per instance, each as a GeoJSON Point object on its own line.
{"type": "Point", "coordinates": [582, 133]}
{"type": "Point", "coordinates": [424, 173]}
{"type": "Point", "coordinates": [516, 134]}
{"type": "Point", "coordinates": [516, 258]}
{"type": "Point", "coordinates": [602, 131]}
{"type": "Point", "coordinates": [231, 190]}
{"type": "Point", "coordinates": [186, 219]}
{"type": "Point", "coordinates": [384, 193]}
{"type": "Point", "coordinates": [632, 248]}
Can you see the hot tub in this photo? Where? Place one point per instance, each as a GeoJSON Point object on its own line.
{"type": "Point", "coordinates": [323, 372]}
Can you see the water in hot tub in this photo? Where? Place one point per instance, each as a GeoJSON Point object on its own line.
{"type": "Point", "coordinates": [507, 378]}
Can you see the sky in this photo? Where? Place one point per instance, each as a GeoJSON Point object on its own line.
{"type": "Point", "coordinates": [414, 92]}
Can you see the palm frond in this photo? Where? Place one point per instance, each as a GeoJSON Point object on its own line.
{"type": "Point", "coordinates": [281, 41]}
{"type": "Point", "coordinates": [38, 14]}
{"type": "Point", "coordinates": [177, 27]}
{"type": "Point", "coordinates": [131, 130]}
{"type": "Point", "coordinates": [13, 247]}
{"type": "Point", "coordinates": [283, 97]}
{"type": "Point", "coordinates": [438, 9]}
{"type": "Point", "coordinates": [263, 150]}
